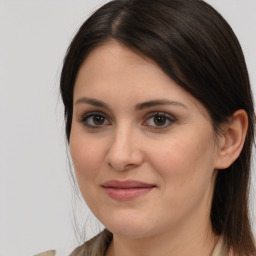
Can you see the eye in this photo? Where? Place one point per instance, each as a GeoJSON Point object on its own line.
{"type": "Point", "coordinates": [159, 120]}
{"type": "Point", "coordinates": [95, 120]}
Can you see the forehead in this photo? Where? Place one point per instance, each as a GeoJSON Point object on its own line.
{"type": "Point", "coordinates": [113, 64]}
{"type": "Point", "coordinates": [113, 56]}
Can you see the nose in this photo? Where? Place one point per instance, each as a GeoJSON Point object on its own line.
{"type": "Point", "coordinates": [124, 151]}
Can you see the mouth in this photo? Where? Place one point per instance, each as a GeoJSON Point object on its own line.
{"type": "Point", "coordinates": [126, 190]}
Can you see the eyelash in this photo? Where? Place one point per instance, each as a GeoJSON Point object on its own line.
{"type": "Point", "coordinates": [167, 119]}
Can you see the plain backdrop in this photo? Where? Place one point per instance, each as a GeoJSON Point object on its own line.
{"type": "Point", "coordinates": [35, 190]}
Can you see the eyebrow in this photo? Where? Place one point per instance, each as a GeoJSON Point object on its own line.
{"type": "Point", "coordinates": [140, 106]}
{"type": "Point", "coordinates": [153, 103]}
{"type": "Point", "coordinates": [93, 102]}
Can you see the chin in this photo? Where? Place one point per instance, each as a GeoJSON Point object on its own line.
{"type": "Point", "coordinates": [131, 232]}
{"type": "Point", "coordinates": [129, 225]}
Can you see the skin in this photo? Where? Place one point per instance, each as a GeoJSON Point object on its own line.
{"type": "Point", "coordinates": [179, 156]}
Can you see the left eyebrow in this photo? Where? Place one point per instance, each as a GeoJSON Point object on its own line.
{"type": "Point", "coordinates": [153, 103]}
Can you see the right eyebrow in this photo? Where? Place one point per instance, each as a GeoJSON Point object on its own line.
{"type": "Point", "coordinates": [93, 102]}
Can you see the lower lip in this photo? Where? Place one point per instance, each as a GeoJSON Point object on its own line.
{"type": "Point", "coordinates": [124, 194]}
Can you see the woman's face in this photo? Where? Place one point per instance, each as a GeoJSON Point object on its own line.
{"type": "Point", "coordinates": [143, 148]}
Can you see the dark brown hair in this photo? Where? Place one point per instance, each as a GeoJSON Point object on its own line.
{"type": "Point", "coordinates": [196, 47]}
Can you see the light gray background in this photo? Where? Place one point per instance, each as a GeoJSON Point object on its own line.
{"type": "Point", "coordinates": [35, 192]}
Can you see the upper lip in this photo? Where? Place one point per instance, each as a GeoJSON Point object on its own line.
{"type": "Point", "coordinates": [126, 184]}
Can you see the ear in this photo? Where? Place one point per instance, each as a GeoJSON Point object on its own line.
{"type": "Point", "coordinates": [232, 139]}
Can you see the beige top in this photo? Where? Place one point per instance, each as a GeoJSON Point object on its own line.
{"type": "Point", "coordinates": [219, 250]}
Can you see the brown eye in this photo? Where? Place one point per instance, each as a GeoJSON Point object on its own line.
{"type": "Point", "coordinates": [98, 120]}
{"type": "Point", "coordinates": [159, 120]}
{"type": "Point", "coordinates": [95, 120]}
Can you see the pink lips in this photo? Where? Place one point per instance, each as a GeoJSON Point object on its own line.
{"type": "Point", "coordinates": [126, 190]}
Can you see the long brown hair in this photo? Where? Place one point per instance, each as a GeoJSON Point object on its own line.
{"type": "Point", "coordinates": [197, 48]}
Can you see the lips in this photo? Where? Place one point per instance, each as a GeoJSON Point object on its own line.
{"type": "Point", "coordinates": [126, 190]}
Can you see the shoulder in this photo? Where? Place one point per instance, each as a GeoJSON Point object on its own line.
{"type": "Point", "coordinates": [47, 253]}
{"type": "Point", "coordinates": [58, 252]}
{"type": "Point", "coordinates": [95, 246]}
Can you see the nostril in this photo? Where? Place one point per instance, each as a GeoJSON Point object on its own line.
{"type": "Point", "coordinates": [122, 165]}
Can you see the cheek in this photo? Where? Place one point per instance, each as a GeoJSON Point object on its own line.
{"type": "Point", "coordinates": [87, 160]}
{"type": "Point", "coordinates": [86, 156]}
{"type": "Point", "coordinates": [186, 177]}
{"type": "Point", "coordinates": [185, 163]}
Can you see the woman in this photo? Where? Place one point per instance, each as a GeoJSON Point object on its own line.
{"type": "Point", "coordinates": [160, 121]}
